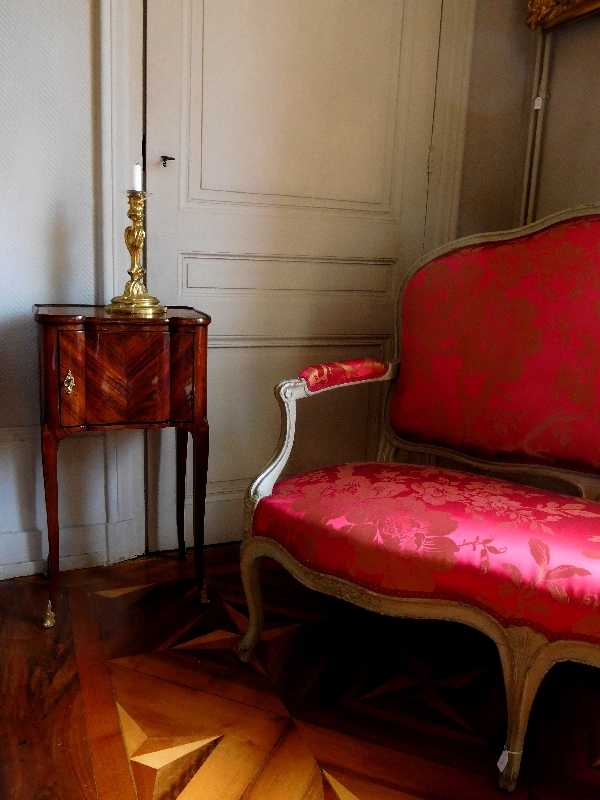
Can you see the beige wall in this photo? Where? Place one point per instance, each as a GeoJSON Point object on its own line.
{"type": "Point", "coordinates": [49, 195]}
{"type": "Point", "coordinates": [498, 117]}
{"type": "Point", "coordinates": [570, 165]}
{"type": "Point", "coordinates": [47, 187]}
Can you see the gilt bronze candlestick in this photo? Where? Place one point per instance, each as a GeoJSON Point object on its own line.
{"type": "Point", "coordinates": [135, 300]}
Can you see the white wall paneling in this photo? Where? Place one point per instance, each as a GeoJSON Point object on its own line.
{"type": "Point", "coordinates": [325, 136]}
{"type": "Point", "coordinates": [319, 136]}
{"type": "Point", "coordinates": [298, 197]}
{"type": "Point", "coordinates": [88, 537]}
{"type": "Point", "coordinates": [448, 136]}
{"type": "Point", "coordinates": [228, 273]}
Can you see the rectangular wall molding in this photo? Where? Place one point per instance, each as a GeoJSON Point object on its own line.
{"type": "Point", "coordinates": [250, 273]}
{"type": "Point", "coordinates": [340, 340]}
{"type": "Point", "coordinates": [349, 170]}
{"type": "Point", "coordinates": [223, 491]}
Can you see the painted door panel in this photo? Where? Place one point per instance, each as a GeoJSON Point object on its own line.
{"type": "Point", "coordinates": [297, 198]}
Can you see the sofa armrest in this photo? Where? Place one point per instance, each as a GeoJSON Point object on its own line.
{"type": "Point", "coordinates": [311, 381]}
{"type": "Point", "coordinates": [321, 377]}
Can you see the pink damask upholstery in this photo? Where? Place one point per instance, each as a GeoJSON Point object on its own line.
{"type": "Point", "coordinates": [526, 556]}
{"type": "Point", "coordinates": [325, 376]}
{"type": "Point", "coordinates": [500, 359]}
{"type": "Point", "coordinates": [500, 349]}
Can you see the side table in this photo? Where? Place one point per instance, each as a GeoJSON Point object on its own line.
{"type": "Point", "coordinates": [101, 372]}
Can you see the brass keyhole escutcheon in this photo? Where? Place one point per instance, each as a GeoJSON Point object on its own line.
{"type": "Point", "coordinates": [69, 382]}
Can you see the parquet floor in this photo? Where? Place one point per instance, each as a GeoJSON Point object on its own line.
{"type": "Point", "coordinates": [138, 693]}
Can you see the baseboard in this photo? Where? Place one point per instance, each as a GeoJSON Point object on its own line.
{"type": "Point", "coordinates": [67, 563]}
{"type": "Point", "coordinates": [100, 498]}
{"type": "Point", "coordinates": [25, 552]}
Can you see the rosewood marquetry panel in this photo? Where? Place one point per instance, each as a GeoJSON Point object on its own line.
{"type": "Point", "coordinates": [106, 379]}
{"type": "Point", "coordinates": [100, 372]}
{"type": "Point", "coordinates": [127, 377]}
{"type": "Point", "coordinates": [147, 360]}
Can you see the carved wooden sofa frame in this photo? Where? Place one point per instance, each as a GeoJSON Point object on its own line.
{"type": "Point", "coordinates": [526, 654]}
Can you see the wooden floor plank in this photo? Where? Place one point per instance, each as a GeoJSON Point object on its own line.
{"type": "Point", "coordinates": [163, 708]}
{"type": "Point", "coordinates": [290, 771]}
{"type": "Point", "coordinates": [228, 773]}
{"type": "Point", "coordinates": [396, 769]}
{"type": "Point", "coordinates": [112, 773]}
{"type": "Point", "coordinates": [416, 711]}
{"type": "Point", "coordinates": [363, 789]}
{"type": "Point", "coordinates": [43, 747]}
{"type": "Point", "coordinates": [230, 680]}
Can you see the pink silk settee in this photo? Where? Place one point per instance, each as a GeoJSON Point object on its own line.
{"type": "Point", "coordinates": [483, 505]}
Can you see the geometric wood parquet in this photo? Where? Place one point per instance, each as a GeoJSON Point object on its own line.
{"type": "Point", "coordinates": [138, 693]}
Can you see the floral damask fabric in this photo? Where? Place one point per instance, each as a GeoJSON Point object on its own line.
{"type": "Point", "coordinates": [526, 556]}
{"type": "Point", "coordinates": [500, 348]}
{"type": "Point", "coordinates": [326, 376]}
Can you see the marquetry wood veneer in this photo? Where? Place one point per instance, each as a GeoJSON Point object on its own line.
{"type": "Point", "coordinates": [101, 372]}
{"type": "Point", "coordinates": [137, 691]}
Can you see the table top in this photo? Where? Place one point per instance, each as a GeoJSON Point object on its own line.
{"type": "Point", "coordinates": [54, 313]}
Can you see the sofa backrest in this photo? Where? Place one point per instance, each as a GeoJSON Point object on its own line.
{"type": "Point", "coordinates": [501, 348]}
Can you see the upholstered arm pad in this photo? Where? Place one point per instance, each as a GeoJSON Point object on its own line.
{"type": "Point", "coordinates": [320, 377]}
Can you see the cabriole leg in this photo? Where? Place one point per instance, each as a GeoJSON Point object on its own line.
{"type": "Point", "coordinates": [250, 567]}
{"type": "Point", "coordinates": [523, 672]}
{"type": "Point", "coordinates": [200, 438]}
{"type": "Point", "coordinates": [49, 464]}
{"type": "Point", "coordinates": [180, 469]}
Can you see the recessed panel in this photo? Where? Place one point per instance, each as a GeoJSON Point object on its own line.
{"type": "Point", "coordinates": [225, 272]}
{"type": "Point", "coordinates": [296, 98]}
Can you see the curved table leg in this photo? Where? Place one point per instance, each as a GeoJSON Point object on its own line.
{"type": "Point", "coordinates": [200, 437]}
{"type": "Point", "coordinates": [50, 444]}
{"type": "Point", "coordinates": [181, 460]}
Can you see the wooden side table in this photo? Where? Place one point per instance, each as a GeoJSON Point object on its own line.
{"type": "Point", "coordinates": [101, 372]}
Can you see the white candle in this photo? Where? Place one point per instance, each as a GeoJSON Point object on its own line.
{"type": "Point", "coordinates": [137, 178]}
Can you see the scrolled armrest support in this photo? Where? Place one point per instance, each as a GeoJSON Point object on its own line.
{"type": "Point", "coordinates": [312, 380]}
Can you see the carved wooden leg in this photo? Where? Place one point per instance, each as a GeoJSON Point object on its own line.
{"type": "Point", "coordinates": [180, 460]}
{"type": "Point", "coordinates": [200, 470]}
{"type": "Point", "coordinates": [49, 464]}
{"type": "Point", "coordinates": [523, 670]}
{"type": "Point", "coordinates": [250, 567]}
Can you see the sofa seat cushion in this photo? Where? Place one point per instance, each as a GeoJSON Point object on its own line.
{"type": "Point", "coordinates": [526, 556]}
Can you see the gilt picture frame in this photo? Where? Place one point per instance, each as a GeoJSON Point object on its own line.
{"type": "Point", "coordinates": [548, 14]}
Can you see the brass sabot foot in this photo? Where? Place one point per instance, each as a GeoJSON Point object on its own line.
{"type": "Point", "coordinates": [49, 617]}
